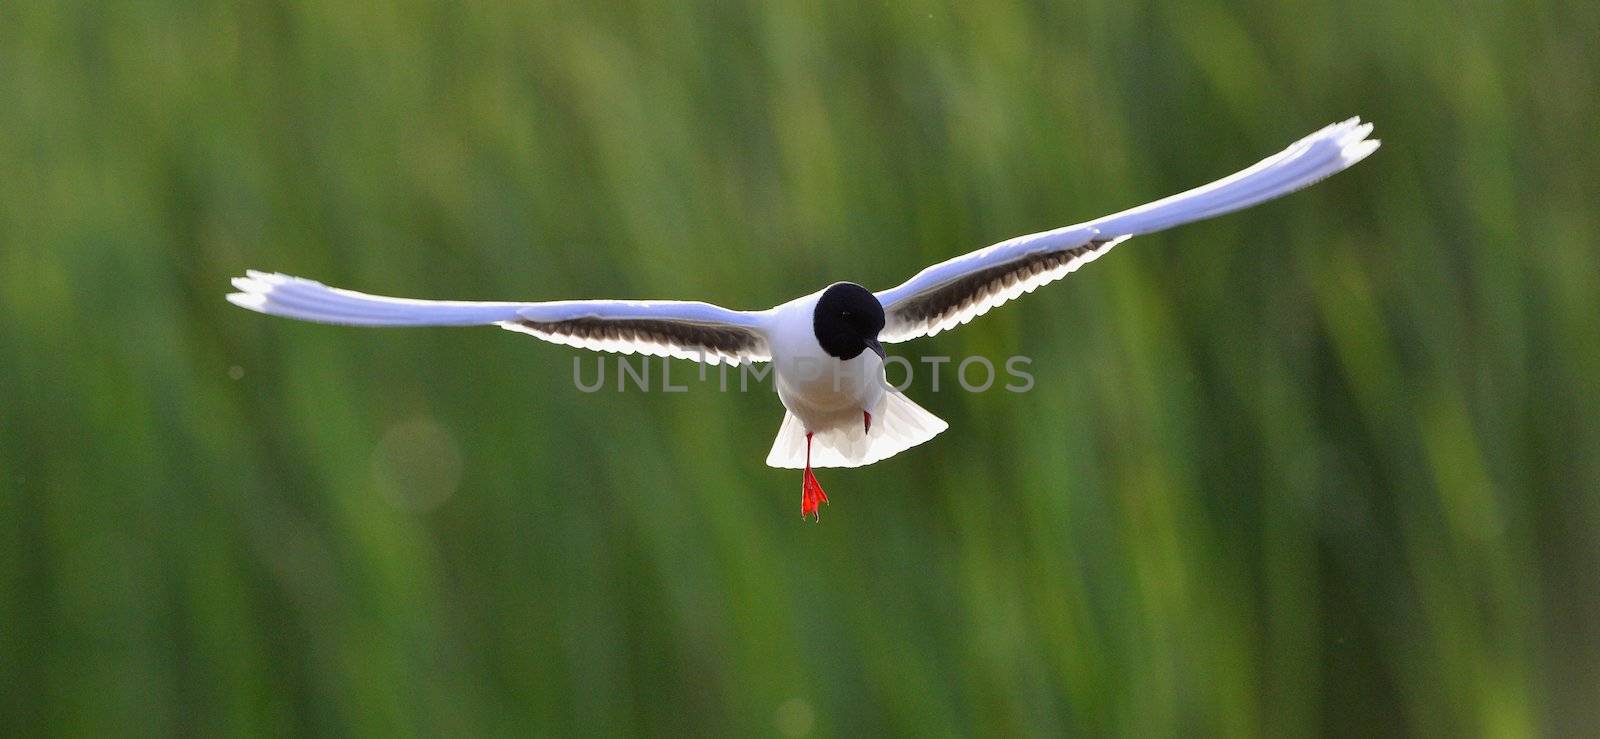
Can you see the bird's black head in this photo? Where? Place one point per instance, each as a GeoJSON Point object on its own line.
{"type": "Point", "coordinates": [847, 321]}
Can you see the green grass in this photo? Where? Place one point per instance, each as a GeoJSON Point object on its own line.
{"type": "Point", "coordinates": [1328, 465]}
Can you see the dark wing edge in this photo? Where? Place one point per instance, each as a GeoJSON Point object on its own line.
{"type": "Point", "coordinates": [734, 338]}
{"type": "Point", "coordinates": [954, 292]}
{"type": "Point", "coordinates": [666, 328]}
{"type": "Point", "coordinates": [959, 300]}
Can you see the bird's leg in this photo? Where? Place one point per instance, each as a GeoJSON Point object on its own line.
{"type": "Point", "coordinates": [866, 422]}
{"type": "Point", "coordinates": [811, 495]}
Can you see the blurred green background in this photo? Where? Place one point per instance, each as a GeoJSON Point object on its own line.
{"type": "Point", "coordinates": [1331, 465]}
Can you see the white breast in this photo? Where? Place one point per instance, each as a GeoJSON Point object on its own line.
{"type": "Point", "coordinates": [822, 391]}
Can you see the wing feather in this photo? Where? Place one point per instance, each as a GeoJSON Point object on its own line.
{"type": "Point", "coordinates": [958, 290]}
{"type": "Point", "coordinates": [666, 328]}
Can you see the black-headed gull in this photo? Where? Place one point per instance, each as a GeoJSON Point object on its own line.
{"type": "Point", "coordinates": [827, 347]}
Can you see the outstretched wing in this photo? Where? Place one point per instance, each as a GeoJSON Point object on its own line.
{"type": "Point", "coordinates": [958, 290]}
{"type": "Point", "coordinates": [664, 328]}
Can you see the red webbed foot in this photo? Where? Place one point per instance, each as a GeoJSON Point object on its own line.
{"type": "Point", "coordinates": [811, 495]}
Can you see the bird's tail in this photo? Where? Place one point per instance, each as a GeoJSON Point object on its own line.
{"type": "Point", "coordinates": [307, 300]}
{"type": "Point", "coordinates": [898, 425]}
{"type": "Point", "coordinates": [1306, 161]}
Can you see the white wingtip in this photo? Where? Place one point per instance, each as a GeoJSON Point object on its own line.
{"type": "Point", "coordinates": [247, 300]}
{"type": "Point", "coordinates": [1353, 142]}
{"type": "Point", "coordinates": [294, 297]}
{"type": "Point", "coordinates": [1305, 162]}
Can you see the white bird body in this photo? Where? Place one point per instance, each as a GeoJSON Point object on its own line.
{"type": "Point", "coordinates": [825, 347]}
{"type": "Point", "coordinates": [846, 406]}
{"type": "Point", "coordinates": [822, 390]}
